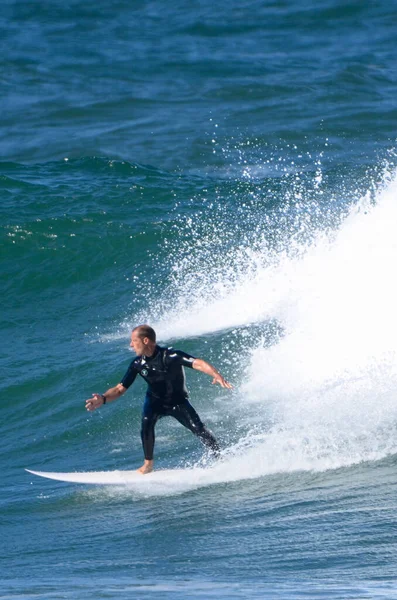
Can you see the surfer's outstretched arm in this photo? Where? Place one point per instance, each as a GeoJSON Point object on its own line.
{"type": "Point", "coordinates": [111, 394]}
{"type": "Point", "coordinates": [201, 365]}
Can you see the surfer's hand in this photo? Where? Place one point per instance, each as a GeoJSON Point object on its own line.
{"type": "Point", "coordinates": [222, 381]}
{"type": "Point", "coordinates": [95, 402]}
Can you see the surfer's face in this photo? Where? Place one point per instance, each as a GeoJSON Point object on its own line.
{"type": "Point", "coordinates": [138, 344]}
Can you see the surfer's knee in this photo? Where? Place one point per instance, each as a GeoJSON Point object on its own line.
{"type": "Point", "coordinates": [197, 427]}
{"type": "Point", "coordinates": [147, 421]}
{"type": "Point", "coordinates": [147, 428]}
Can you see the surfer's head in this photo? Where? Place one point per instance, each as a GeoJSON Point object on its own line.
{"type": "Point", "coordinates": [143, 340]}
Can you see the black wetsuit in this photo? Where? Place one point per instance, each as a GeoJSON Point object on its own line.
{"type": "Point", "coordinates": [167, 395]}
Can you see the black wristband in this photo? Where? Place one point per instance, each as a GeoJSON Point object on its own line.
{"type": "Point", "coordinates": [103, 398]}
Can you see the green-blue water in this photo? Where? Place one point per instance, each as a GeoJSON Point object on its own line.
{"type": "Point", "coordinates": [227, 173]}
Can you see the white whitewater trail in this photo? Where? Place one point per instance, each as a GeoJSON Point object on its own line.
{"type": "Point", "coordinates": [327, 390]}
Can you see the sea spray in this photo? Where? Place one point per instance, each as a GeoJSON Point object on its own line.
{"type": "Point", "coordinates": [326, 382]}
{"type": "Point", "coordinates": [331, 380]}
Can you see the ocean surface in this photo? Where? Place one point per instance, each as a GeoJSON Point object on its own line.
{"type": "Point", "coordinates": [226, 172]}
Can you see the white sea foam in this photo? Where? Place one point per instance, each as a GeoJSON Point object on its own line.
{"type": "Point", "coordinates": [328, 389]}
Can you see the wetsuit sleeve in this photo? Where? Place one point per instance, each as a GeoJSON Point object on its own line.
{"type": "Point", "coordinates": [130, 376]}
{"type": "Point", "coordinates": [181, 358]}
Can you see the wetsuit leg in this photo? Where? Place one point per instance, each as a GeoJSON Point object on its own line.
{"type": "Point", "coordinates": [150, 416]}
{"type": "Point", "coordinates": [188, 417]}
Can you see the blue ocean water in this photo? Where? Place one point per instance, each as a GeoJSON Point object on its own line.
{"type": "Point", "coordinates": [227, 173]}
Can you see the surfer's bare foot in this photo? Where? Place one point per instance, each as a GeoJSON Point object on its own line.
{"type": "Point", "coordinates": [147, 467]}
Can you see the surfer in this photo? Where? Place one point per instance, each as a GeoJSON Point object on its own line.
{"type": "Point", "coordinates": [163, 371]}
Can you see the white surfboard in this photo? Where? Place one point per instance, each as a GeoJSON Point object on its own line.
{"type": "Point", "coordinates": [107, 477]}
